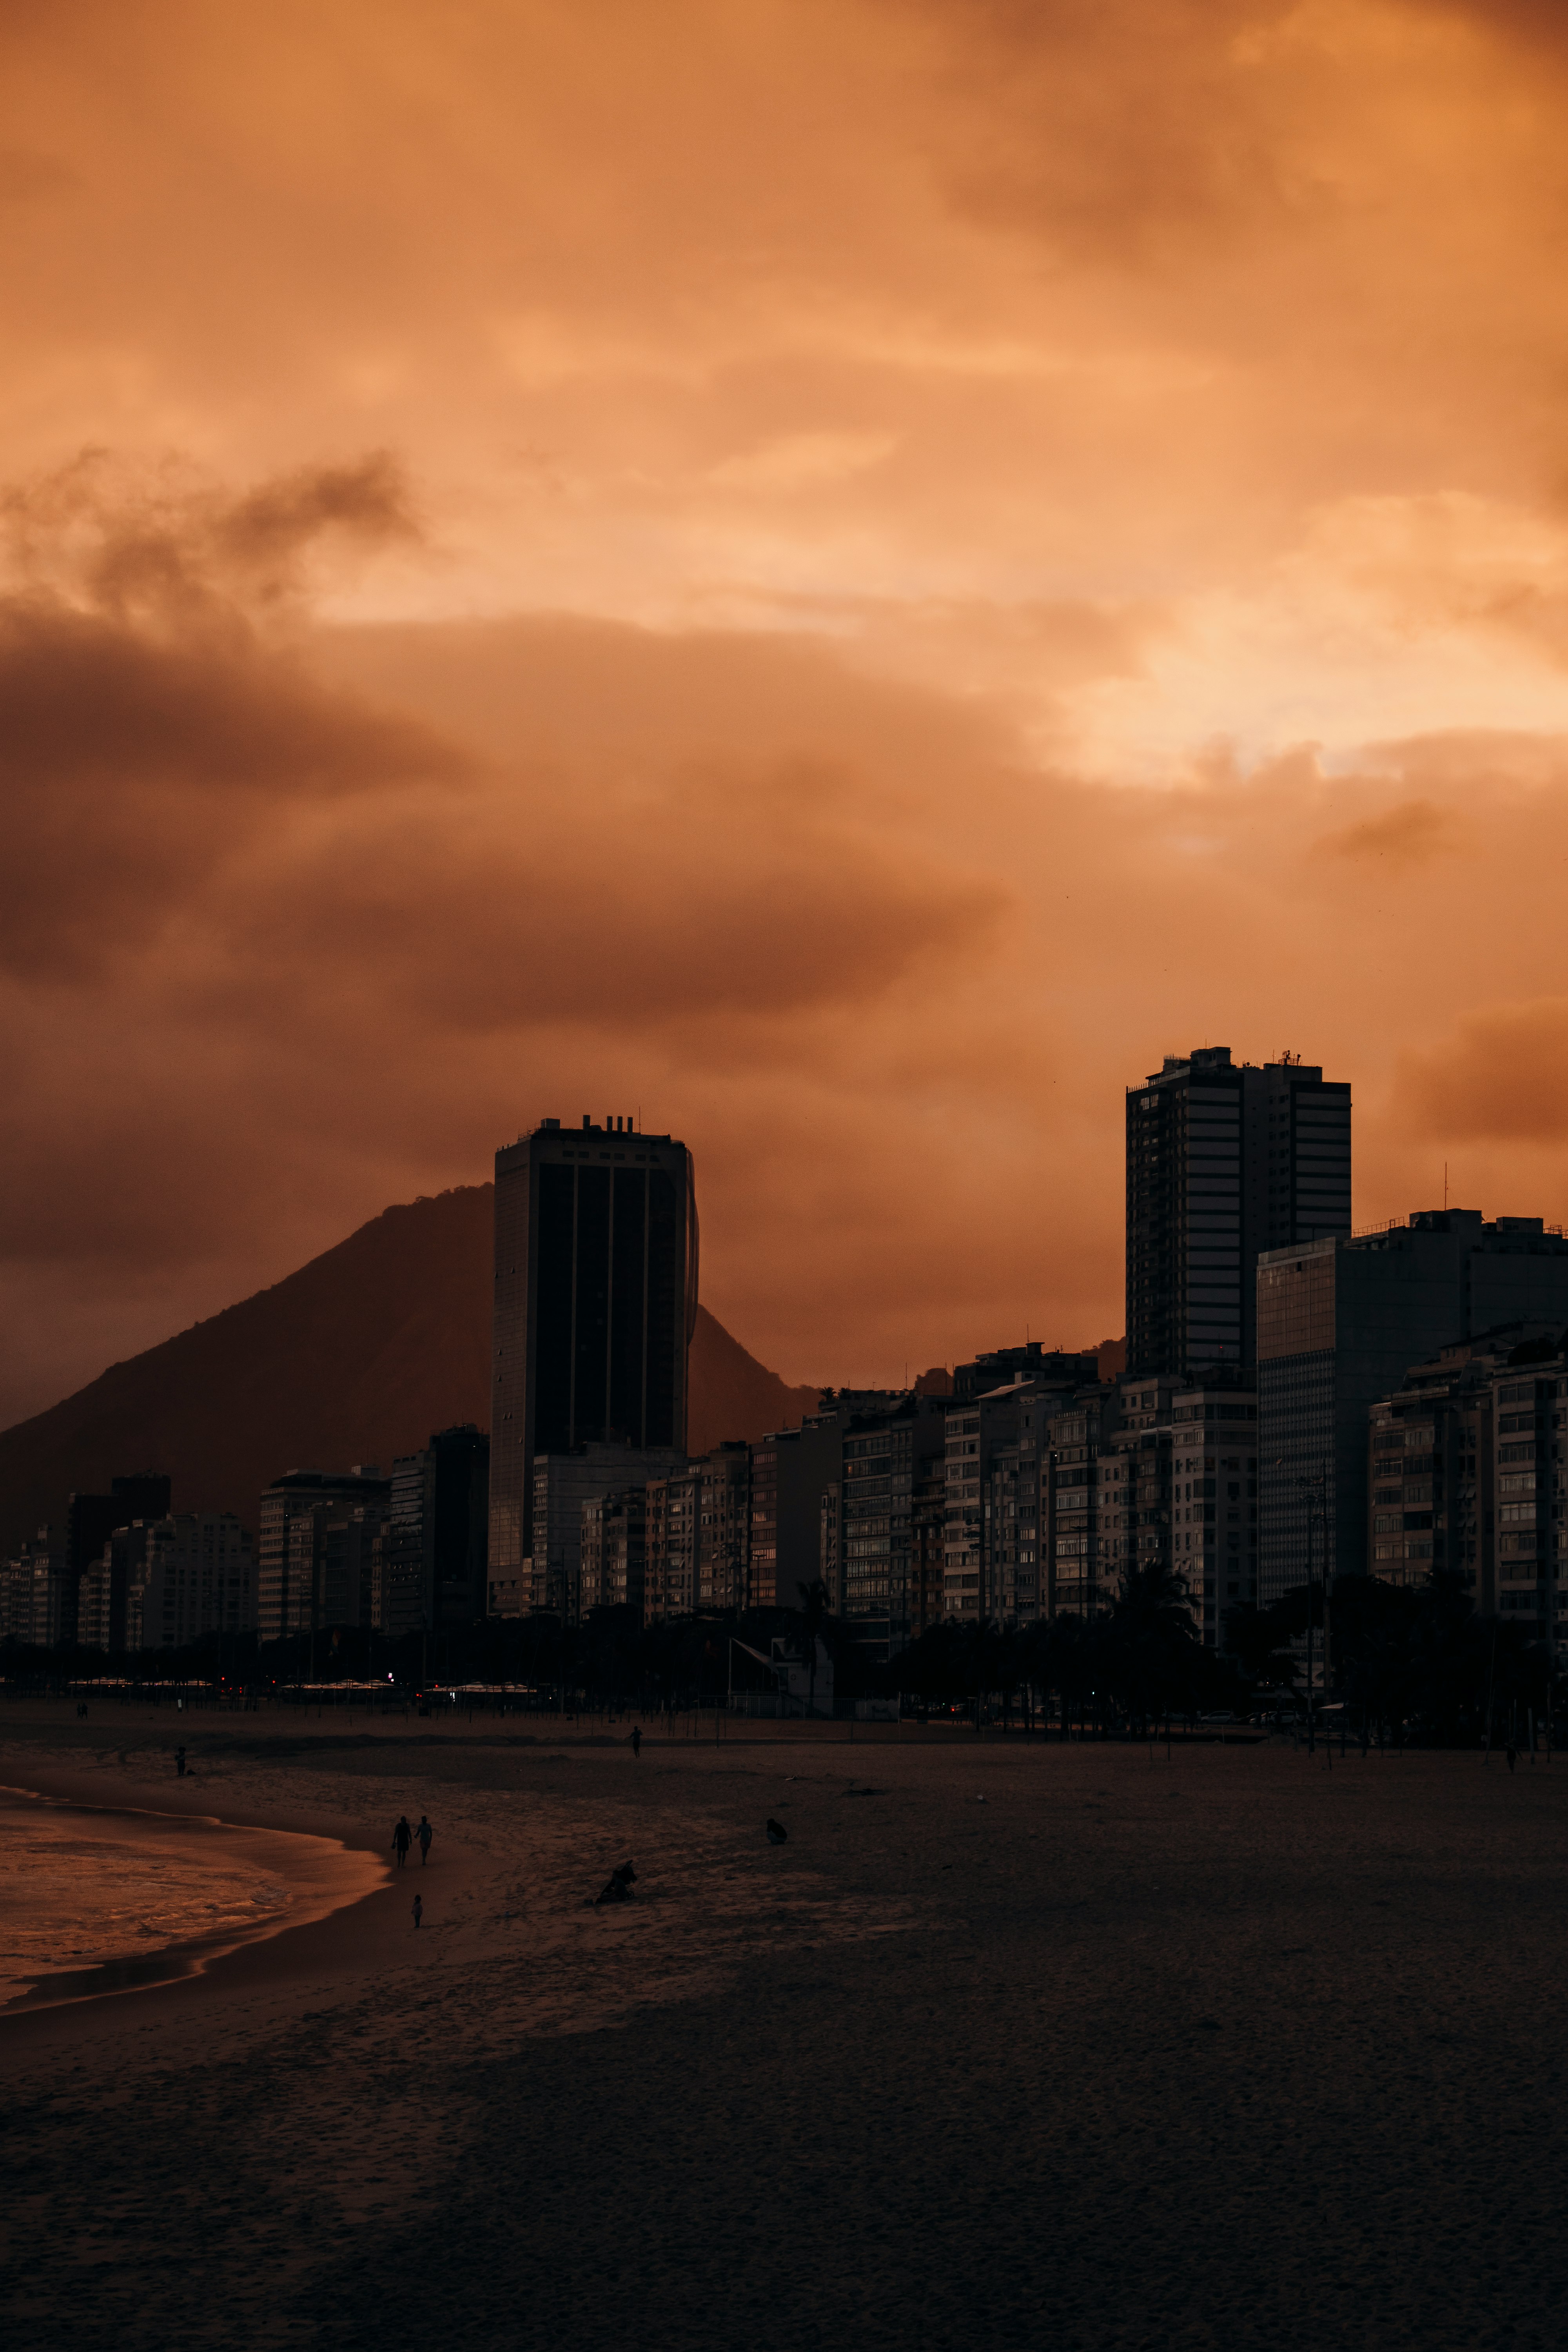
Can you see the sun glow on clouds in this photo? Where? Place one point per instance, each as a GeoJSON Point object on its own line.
{"type": "Point", "coordinates": [858, 572]}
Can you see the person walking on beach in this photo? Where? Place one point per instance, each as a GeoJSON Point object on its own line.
{"type": "Point", "coordinates": [418, 1909]}
{"type": "Point", "coordinates": [180, 1761]}
{"type": "Point", "coordinates": [1512, 1756]}
{"type": "Point", "coordinates": [402, 1839]}
{"type": "Point", "coordinates": [637, 1739]}
{"type": "Point", "coordinates": [424, 1834]}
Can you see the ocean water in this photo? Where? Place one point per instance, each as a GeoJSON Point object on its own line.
{"type": "Point", "coordinates": [92, 1900]}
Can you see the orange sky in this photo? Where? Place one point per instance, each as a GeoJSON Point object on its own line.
{"type": "Point", "coordinates": [848, 575]}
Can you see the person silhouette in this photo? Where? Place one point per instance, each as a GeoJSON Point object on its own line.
{"type": "Point", "coordinates": [1512, 1756]}
{"type": "Point", "coordinates": [637, 1739]}
{"type": "Point", "coordinates": [424, 1834]}
{"type": "Point", "coordinates": [402, 1839]}
{"type": "Point", "coordinates": [418, 1909]}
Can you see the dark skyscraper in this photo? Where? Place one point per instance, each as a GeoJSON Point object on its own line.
{"type": "Point", "coordinates": [435, 1542]}
{"type": "Point", "coordinates": [596, 1301]}
{"type": "Point", "coordinates": [1224, 1161]}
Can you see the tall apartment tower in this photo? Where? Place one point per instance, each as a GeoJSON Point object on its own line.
{"type": "Point", "coordinates": [1225, 1160]}
{"type": "Point", "coordinates": [595, 1303]}
{"type": "Point", "coordinates": [1339, 1323]}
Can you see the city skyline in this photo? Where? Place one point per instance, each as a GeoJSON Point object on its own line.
{"type": "Point", "coordinates": [922, 636]}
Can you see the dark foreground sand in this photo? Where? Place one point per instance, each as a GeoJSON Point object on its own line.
{"type": "Point", "coordinates": [1230, 2050]}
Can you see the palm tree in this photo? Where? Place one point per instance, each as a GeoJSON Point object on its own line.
{"type": "Point", "coordinates": [1152, 1639]}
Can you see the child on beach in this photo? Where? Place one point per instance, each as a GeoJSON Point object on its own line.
{"type": "Point", "coordinates": [418, 1909]}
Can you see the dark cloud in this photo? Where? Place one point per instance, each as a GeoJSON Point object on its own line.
{"type": "Point", "coordinates": [1404, 835]}
{"type": "Point", "coordinates": [1500, 1076]}
{"type": "Point", "coordinates": [133, 767]}
{"type": "Point", "coordinates": [729, 890]}
{"type": "Point", "coordinates": [1539, 25]}
{"type": "Point", "coordinates": [1119, 128]}
{"type": "Point", "coordinates": [155, 546]}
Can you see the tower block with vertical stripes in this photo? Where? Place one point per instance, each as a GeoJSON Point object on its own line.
{"type": "Point", "coordinates": [595, 1302]}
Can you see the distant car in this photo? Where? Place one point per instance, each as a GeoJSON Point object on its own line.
{"type": "Point", "coordinates": [1222, 1716]}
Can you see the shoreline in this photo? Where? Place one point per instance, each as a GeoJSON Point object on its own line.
{"type": "Point", "coordinates": [325, 1926]}
{"type": "Point", "coordinates": [321, 1875]}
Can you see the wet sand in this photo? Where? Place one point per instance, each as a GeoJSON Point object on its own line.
{"type": "Point", "coordinates": [98, 1899]}
{"type": "Point", "coordinates": [1232, 2050]}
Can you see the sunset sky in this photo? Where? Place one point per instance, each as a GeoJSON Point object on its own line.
{"type": "Point", "coordinates": [844, 576]}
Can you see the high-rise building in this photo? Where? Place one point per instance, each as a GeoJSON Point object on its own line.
{"type": "Point", "coordinates": [1430, 1468]}
{"type": "Point", "coordinates": [615, 1550]}
{"type": "Point", "coordinates": [1083, 1502]}
{"type": "Point", "coordinates": [36, 1592]}
{"type": "Point", "coordinates": [595, 1302]}
{"type": "Point", "coordinates": [1213, 1498]}
{"type": "Point", "coordinates": [791, 1472]}
{"type": "Point", "coordinates": [295, 1511]}
{"type": "Point", "coordinates": [868, 1528]}
{"type": "Point", "coordinates": [188, 1575]}
{"type": "Point", "coordinates": [433, 1574]}
{"type": "Point", "coordinates": [669, 1588]}
{"type": "Point", "coordinates": [724, 1527]}
{"type": "Point", "coordinates": [1132, 1486]}
{"type": "Point", "coordinates": [996, 1459]}
{"type": "Point", "coordinates": [1466, 1472]}
{"type": "Point", "coordinates": [91, 1520]}
{"type": "Point", "coordinates": [1530, 1537]}
{"type": "Point", "coordinates": [1224, 1161]}
{"type": "Point", "coordinates": [562, 1484]}
{"type": "Point", "coordinates": [928, 1504]}
{"type": "Point", "coordinates": [975, 1430]}
{"type": "Point", "coordinates": [1338, 1323]}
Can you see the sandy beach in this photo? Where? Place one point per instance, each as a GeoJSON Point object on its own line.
{"type": "Point", "coordinates": [1008, 2043]}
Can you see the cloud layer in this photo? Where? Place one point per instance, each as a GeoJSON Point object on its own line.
{"type": "Point", "coordinates": [848, 576]}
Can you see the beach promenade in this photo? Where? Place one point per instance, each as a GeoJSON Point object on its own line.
{"type": "Point", "coordinates": [1008, 2045]}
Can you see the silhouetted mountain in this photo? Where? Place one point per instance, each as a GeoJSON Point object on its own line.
{"type": "Point", "coordinates": [358, 1356]}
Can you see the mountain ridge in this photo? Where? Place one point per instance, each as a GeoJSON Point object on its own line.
{"type": "Point", "coordinates": [355, 1356]}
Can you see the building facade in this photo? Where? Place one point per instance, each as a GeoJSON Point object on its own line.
{"type": "Point", "coordinates": [38, 1595]}
{"type": "Point", "coordinates": [614, 1551]}
{"type": "Point", "coordinates": [562, 1484]}
{"type": "Point", "coordinates": [1224, 1161]}
{"type": "Point", "coordinates": [91, 1520]}
{"type": "Point", "coordinates": [291, 1565]}
{"type": "Point", "coordinates": [1134, 1484]}
{"type": "Point", "coordinates": [1338, 1323]}
{"type": "Point", "coordinates": [724, 1528]}
{"type": "Point", "coordinates": [1214, 1499]}
{"type": "Point", "coordinates": [868, 1518]}
{"type": "Point", "coordinates": [674, 1507]}
{"type": "Point", "coordinates": [595, 1304]}
{"type": "Point", "coordinates": [188, 1576]}
{"type": "Point", "coordinates": [1081, 1504]}
{"type": "Point", "coordinates": [437, 1535]}
{"type": "Point", "coordinates": [1430, 1471]}
{"type": "Point", "coordinates": [791, 1472]}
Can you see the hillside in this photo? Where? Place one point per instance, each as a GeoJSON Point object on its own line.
{"type": "Point", "coordinates": [356, 1357]}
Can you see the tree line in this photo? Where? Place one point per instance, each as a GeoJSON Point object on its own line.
{"type": "Point", "coordinates": [1406, 1663]}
